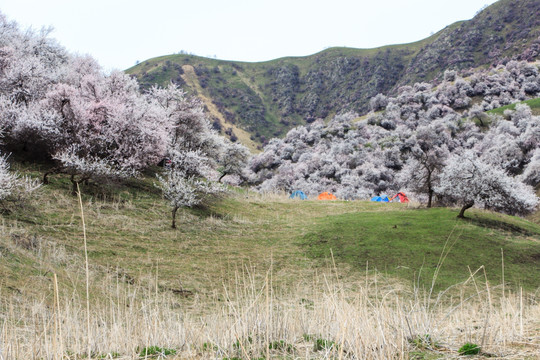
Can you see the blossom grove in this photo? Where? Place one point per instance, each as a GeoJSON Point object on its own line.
{"type": "Point", "coordinates": [63, 109]}
{"type": "Point", "coordinates": [408, 142]}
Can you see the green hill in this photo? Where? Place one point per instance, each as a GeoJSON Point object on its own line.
{"type": "Point", "coordinates": [257, 101]}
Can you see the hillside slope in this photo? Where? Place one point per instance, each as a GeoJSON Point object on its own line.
{"type": "Point", "coordinates": [129, 235]}
{"type": "Point", "coordinates": [268, 98]}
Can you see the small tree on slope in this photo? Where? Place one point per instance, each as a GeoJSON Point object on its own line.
{"type": "Point", "coordinates": [184, 184]}
{"type": "Point", "coordinates": [468, 181]}
{"type": "Point", "coordinates": [233, 160]}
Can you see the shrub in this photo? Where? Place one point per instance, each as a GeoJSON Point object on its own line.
{"type": "Point", "coordinates": [281, 345]}
{"type": "Point", "coordinates": [469, 349]}
{"type": "Point", "coordinates": [156, 351]}
{"type": "Point", "coordinates": [321, 344]}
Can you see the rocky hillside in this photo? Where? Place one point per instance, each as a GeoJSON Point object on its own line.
{"type": "Point", "coordinates": [257, 101]}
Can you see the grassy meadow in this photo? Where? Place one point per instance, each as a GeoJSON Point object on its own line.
{"type": "Point", "coordinates": [260, 276]}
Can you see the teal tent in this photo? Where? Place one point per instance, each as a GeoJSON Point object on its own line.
{"type": "Point", "coordinates": [380, 199]}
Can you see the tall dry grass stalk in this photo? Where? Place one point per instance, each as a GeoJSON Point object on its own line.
{"type": "Point", "coordinates": [250, 319]}
{"type": "Point", "coordinates": [87, 272]}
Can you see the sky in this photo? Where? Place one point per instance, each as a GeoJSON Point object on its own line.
{"type": "Point", "coordinates": [119, 33]}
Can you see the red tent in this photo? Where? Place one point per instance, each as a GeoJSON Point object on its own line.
{"type": "Point", "coordinates": [401, 196]}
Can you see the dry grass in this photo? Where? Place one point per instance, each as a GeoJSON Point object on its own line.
{"type": "Point", "coordinates": [250, 318]}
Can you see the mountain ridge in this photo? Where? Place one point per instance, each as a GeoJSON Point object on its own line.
{"type": "Point", "coordinates": [268, 98]}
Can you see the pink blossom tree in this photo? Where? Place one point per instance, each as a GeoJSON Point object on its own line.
{"type": "Point", "coordinates": [104, 127]}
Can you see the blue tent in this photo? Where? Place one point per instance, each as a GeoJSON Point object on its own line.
{"type": "Point", "coordinates": [380, 199]}
{"type": "Point", "coordinates": [298, 193]}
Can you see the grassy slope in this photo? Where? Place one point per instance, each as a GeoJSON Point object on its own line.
{"type": "Point", "coordinates": [129, 233]}
{"type": "Point", "coordinates": [534, 104]}
{"type": "Point", "coordinates": [191, 79]}
{"type": "Point", "coordinates": [401, 243]}
{"type": "Point", "coordinates": [254, 69]}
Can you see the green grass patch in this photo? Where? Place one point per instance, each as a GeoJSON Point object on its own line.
{"type": "Point", "coordinates": [409, 244]}
{"type": "Point", "coordinates": [156, 351]}
{"type": "Point", "coordinates": [534, 104]}
{"type": "Point", "coordinates": [469, 349]}
{"type": "Point", "coordinates": [324, 344]}
{"type": "Point", "coordinates": [281, 345]}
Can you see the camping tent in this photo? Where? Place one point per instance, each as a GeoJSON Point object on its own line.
{"type": "Point", "coordinates": [298, 193]}
{"type": "Point", "coordinates": [326, 196]}
{"type": "Point", "coordinates": [401, 197]}
{"type": "Point", "coordinates": [380, 198]}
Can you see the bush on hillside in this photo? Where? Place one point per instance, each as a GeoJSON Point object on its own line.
{"type": "Point", "coordinates": [14, 189]}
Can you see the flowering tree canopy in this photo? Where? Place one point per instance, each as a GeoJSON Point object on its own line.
{"type": "Point", "coordinates": [466, 180]}
{"type": "Point", "coordinates": [233, 159]}
{"type": "Point", "coordinates": [104, 127]}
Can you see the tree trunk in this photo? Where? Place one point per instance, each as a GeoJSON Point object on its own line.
{"type": "Point", "coordinates": [465, 207]}
{"type": "Point", "coordinates": [174, 210]}
{"type": "Point", "coordinates": [221, 177]}
{"type": "Point", "coordinates": [430, 197]}
{"type": "Point", "coordinates": [430, 189]}
{"type": "Point", "coordinates": [54, 170]}
{"type": "Point", "coordinates": [74, 185]}
{"type": "Point", "coordinates": [45, 178]}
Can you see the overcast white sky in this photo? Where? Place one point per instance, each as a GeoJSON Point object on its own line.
{"type": "Point", "coordinates": [120, 32]}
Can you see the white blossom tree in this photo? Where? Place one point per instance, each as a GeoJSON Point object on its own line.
{"type": "Point", "coordinates": [468, 181]}
{"type": "Point", "coordinates": [531, 175]}
{"type": "Point", "coordinates": [182, 191]}
{"type": "Point", "coordinates": [184, 183]}
{"type": "Point", "coordinates": [233, 160]}
{"type": "Point", "coordinates": [427, 158]}
{"type": "Point", "coordinates": [13, 187]}
{"type": "Point", "coordinates": [191, 129]}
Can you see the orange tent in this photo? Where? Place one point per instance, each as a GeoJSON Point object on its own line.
{"type": "Point", "coordinates": [326, 196]}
